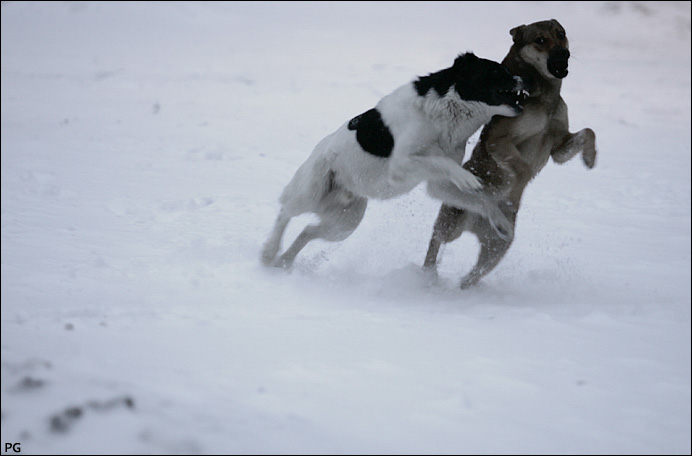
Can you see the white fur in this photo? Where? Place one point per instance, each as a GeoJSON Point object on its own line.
{"type": "Point", "coordinates": [430, 134]}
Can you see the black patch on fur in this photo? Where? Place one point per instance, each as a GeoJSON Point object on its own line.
{"type": "Point", "coordinates": [372, 133]}
{"type": "Point", "coordinates": [474, 79]}
{"type": "Point", "coordinates": [440, 82]}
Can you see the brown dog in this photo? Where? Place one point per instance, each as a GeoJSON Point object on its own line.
{"type": "Point", "coordinates": [512, 151]}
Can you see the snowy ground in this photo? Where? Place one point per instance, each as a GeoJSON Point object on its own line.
{"type": "Point", "coordinates": [144, 146]}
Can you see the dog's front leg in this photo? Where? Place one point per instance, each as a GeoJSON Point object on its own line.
{"type": "Point", "coordinates": [583, 141]}
{"type": "Point", "coordinates": [421, 168]}
{"type": "Point", "coordinates": [477, 201]}
{"type": "Point", "coordinates": [273, 243]}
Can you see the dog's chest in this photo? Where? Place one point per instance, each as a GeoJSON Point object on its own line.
{"type": "Point", "coordinates": [532, 122]}
{"type": "Point", "coordinates": [534, 141]}
{"type": "Point", "coordinates": [454, 138]}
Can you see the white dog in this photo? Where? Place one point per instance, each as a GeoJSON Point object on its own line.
{"type": "Point", "coordinates": [417, 133]}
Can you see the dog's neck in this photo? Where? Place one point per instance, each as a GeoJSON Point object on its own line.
{"type": "Point", "coordinates": [468, 116]}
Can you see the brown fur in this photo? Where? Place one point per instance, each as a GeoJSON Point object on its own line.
{"type": "Point", "coordinates": [512, 151]}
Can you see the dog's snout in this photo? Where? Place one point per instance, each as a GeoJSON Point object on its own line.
{"type": "Point", "coordinates": [558, 61]}
{"type": "Point", "coordinates": [559, 53]}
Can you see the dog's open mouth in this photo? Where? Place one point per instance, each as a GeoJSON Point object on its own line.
{"type": "Point", "coordinates": [558, 68]}
{"type": "Point", "coordinates": [515, 97]}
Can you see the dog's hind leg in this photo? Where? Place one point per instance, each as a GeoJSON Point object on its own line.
{"type": "Point", "coordinates": [273, 243]}
{"type": "Point", "coordinates": [309, 233]}
{"type": "Point", "coordinates": [449, 225]}
{"type": "Point", "coordinates": [339, 218]}
{"type": "Point", "coordinates": [493, 249]}
{"type": "Point", "coordinates": [430, 263]}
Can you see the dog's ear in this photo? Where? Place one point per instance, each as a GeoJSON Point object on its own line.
{"type": "Point", "coordinates": [517, 33]}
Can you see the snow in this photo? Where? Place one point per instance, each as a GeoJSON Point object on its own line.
{"type": "Point", "coordinates": [144, 147]}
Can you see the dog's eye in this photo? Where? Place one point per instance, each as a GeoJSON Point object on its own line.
{"type": "Point", "coordinates": [561, 35]}
{"type": "Point", "coordinates": [539, 40]}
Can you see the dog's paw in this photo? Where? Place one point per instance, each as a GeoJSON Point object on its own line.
{"type": "Point", "coordinates": [505, 232]}
{"type": "Point", "coordinates": [502, 226]}
{"type": "Point", "coordinates": [268, 255]}
{"type": "Point", "coordinates": [588, 154]}
{"type": "Point", "coordinates": [589, 158]}
{"type": "Point", "coordinates": [469, 281]}
{"type": "Point", "coordinates": [266, 260]}
{"type": "Point", "coordinates": [430, 275]}
{"type": "Point", "coordinates": [465, 180]}
{"type": "Point", "coordinates": [283, 262]}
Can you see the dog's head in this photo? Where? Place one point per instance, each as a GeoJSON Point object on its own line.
{"type": "Point", "coordinates": [483, 80]}
{"type": "Point", "coordinates": [543, 45]}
